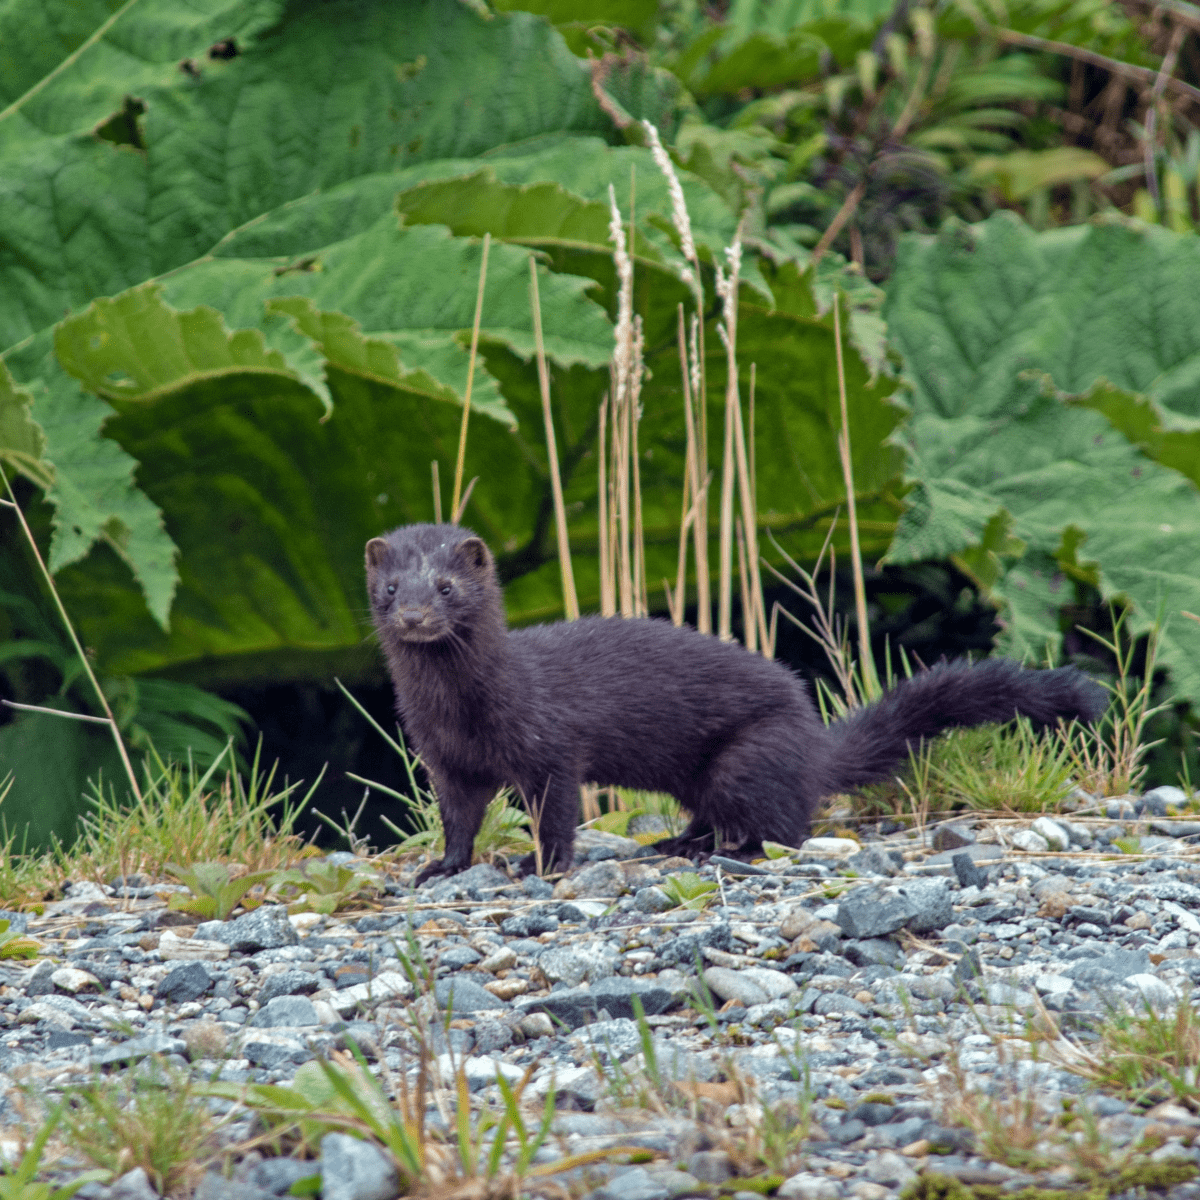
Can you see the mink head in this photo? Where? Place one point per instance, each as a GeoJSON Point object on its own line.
{"type": "Point", "coordinates": [427, 583]}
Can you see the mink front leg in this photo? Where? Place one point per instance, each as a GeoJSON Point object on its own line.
{"type": "Point", "coordinates": [462, 803]}
{"type": "Point", "coordinates": [553, 813]}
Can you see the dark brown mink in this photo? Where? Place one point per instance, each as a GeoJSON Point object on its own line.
{"type": "Point", "coordinates": [734, 737]}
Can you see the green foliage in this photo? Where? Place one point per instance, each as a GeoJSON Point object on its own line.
{"type": "Point", "coordinates": [19, 1184]}
{"type": "Point", "coordinates": [1020, 475]}
{"type": "Point", "coordinates": [324, 887]}
{"type": "Point", "coordinates": [215, 891]}
{"type": "Point", "coordinates": [687, 890]}
{"type": "Point", "coordinates": [13, 945]}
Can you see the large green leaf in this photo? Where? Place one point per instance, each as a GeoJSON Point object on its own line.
{"type": "Point", "coordinates": [325, 94]}
{"type": "Point", "coordinates": [997, 325]}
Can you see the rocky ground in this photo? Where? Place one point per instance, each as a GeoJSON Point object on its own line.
{"type": "Point", "coordinates": [876, 988]}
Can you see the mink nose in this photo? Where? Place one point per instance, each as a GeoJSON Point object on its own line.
{"type": "Point", "coordinates": [412, 617]}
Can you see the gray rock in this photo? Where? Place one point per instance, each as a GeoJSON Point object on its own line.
{"type": "Point", "coordinates": [266, 928]}
{"type": "Point", "coordinates": [188, 981]}
{"type": "Point", "coordinates": [615, 1040]}
{"type": "Point", "coordinates": [456, 957]}
{"type": "Point", "coordinates": [873, 950]}
{"type": "Point", "coordinates": [614, 995]}
{"type": "Point", "coordinates": [871, 860]}
{"type": "Point", "coordinates": [38, 981]}
{"type": "Point", "coordinates": [835, 1002]}
{"type": "Point", "coordinates": [635, 1183]}
{"type": "Point", "coordinates": [985, 852]}
{"type": "Point", "coordinates": [214, 1186]}
{"type": "Point", "coordinates": [685, 948]}
{"type": "Point", "coordinates": [589, 840]}
{"type": "Point", "coordinates": [288, 983]}
{"type": "Point", "coordinates": [1030, 842]}
{"type": "Point", "coordinates": [967, 873]}
{"type": "Point", "coordinates": [1113, 967]}
{"type": "Point", "coordinates": [529, 924]}
{"type": "Point", "coordinates": [465, 996]}
{"type": "Point", "coordinates": [573, 964]}
{"type": "Point", "coordinates": [133, 1185]}
{"type": "Point", "coordinates": [1153, 989]}
{"type": "Point", "coordinates": [932, 905]}
{"type": "Point", "coordinates": [601, 880]}
{"type": "Point", "coordinates": [710, 1166]}
{"type": "Point", "coordinates": [277, 1175]}
{"type": "Point", "coordinates": [537, 888]}
{"type": "Point", "coordinates": [953, 837]}
{"type": "Point", "coordinates": [732, 866]}
{"type": "Point", "coordinates": [646, 823]}
{"type": "Point", "coordinates": [1056, 836]}
{"type": "Point", "coordinates": [276, 1053]}
{"type": "Point", "coordinates": [678, 1063]}
{"type": "Point", "coordinates": [285, 1010]}
{"type": "Point", "coordinates": [352, 1169]}
{"type": "Point", "coordinates": [139, 1048]}
{"type": "Point", "coordinates": [1156, 800]}
{"type": "Point", "coordinates": [729, 984]}
{"type": "Point", "coordinates": [492, 1036]}
{"type": "Point", "coordinates": [873, 912]}
{"type": "Point", "coordinates": [652, 900]}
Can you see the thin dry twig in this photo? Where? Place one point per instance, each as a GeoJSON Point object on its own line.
{"type": "Point", "coordinates": [570, 598]}
{"type": "Point", "coordinates": [457, 506]}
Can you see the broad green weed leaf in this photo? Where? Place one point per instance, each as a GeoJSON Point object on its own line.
{"type": "Point", "coordinates": [22, 442]}
{"type": "Point", "coordinates": [997, 325]}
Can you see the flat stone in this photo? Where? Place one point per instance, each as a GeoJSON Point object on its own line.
{"type": "Point", "coordinates": [530, 924]}
{"type": "Point", "coordinates": [953, 837]}
{"type": "Point", "coordinates": [187, 982]}
{"type": "Point", "coordinates": [600, 879]}
{"type": "Point", "coordinates": [573, 964]}
{"type": "Point", "coordinates": [873, 912]}
{"type": "Point", "coordinates": [214, 1186]}
{"type": "Point", "coordinates": [288, 983]}
{"type": "Point", "coordinates": [1153, 989]}
{"type": "Point", "coordinates": [980, 852]}
{"type": "Point", "coordinates": [464, 995]}
{"type": "Point", "coordinates": [133, 1185]}
{"type": "Point", "coordinates": [710, 1166]}
{"type": "Point", "coordinates": [933, 907]}
{"type": "Point", "coordinates": [266, 928]}
{"type": "Point", "coordinates": [614, 995]}
{"type": "Point", "coordinates": [285, 1010]}
{"type": "Point", "coordinates": [1030, 842]}
{"type": "Point", "coordinates": [636, 1183]}
{"type": "Point", "coordinates": [1056, 836]}
{"type": "Point", "coordinates": [830, 846]}
{"type": "Point", "coordinates": [387, 985]}
{"type": "Point", "coordinates": [278, 1175]}
{"type": "Point", "coordinates": [652, 900]}
{"type": "Point", "coordinates": [139, 1048]}
{"type": "Point", "coordinates": [73, 981]}
{"type": "Point", "coordinates": [731, 866]}
{"type": "Point", "coordinates": [352, 1169]}
{"type": "Point", "coordinates": [176, 949]}
{"type": "Point", "coordinates": [688, 946]}
{"type": "Point", "coordinates": [728, 984]}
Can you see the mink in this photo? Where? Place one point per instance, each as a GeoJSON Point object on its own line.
{"type": "Point", "coordinates": [734, 737]}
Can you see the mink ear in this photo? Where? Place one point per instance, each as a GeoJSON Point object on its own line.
{"type": "Point", "coordinates": [377, 550]}
{"type": "Point", "coordinates": [474, 552]}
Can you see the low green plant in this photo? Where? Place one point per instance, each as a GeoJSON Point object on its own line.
{"type": "Point", "coordinates": [324, 887]}
{"type": "Point", "coordinates": [1144, 1055]}
{"type": "Point", "coordinates": [15, 945]}
{"type": "Point", "coordinates": [154, 1118]}
{"type": "Point", "coordinates": [19, 1182]}
{"type": "Point", "coordinates": [185, 817]}
{"type": "Point", "coordinates": [216, 892]}
{"type": "Point", "coordinates": [1007, 768]}
{"type": "Point", "coordinates": [687, 890]}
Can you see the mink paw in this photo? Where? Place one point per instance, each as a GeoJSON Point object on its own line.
{"type": "Point", "coordinates": [685, 847]}
{"type": "Point", "coordinates": [440, 867]}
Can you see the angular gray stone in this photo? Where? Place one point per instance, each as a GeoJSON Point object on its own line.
{"type": "Point", "coordinates": [1057, 836]}
{"type": "Point", "coordinates": [728, 984]}
{"type": "Point", "coordinates": [492, 1036]}
{"type": "Point", "coordinates": [684, 948]}
{"type": "Point", "coordinates": [601, 880]}
{"type": "Point", "coordinates": [38, 981]}
{"type": "Point", "coordinates": [138, 1048]}
{"type": "Point", "coordinates": [985, 852]}
{"type": "Point", "coordinates": [572, 965]}
{"type": "Point", "coordinates": [933, 907]}
{"type": "Point", "coordinates": [835, 1002]}
{"type": "Point", "coordinates": [288, 983]}
{"type": "Point", "coordinates": [614, 995]}
{"type": "Point", "coordinates": [266, 928]}
{"type": "Point", "coordinates": [870, 951]}
{"type": "Point", "coordinates": [530, 924]}
{"type": "Point", "coordinates": [285, 1010]}
{"type": "Point", "coordinates": [652, 900]}
{"type": "Point", "coordinates": [636, 1183]}
{"type": "Point", "coordinates": [214, 1186]}
{"type": "Point", "coordinates": [710, 1166]}
{"type": "Point", "coordinates": [732, 866]}
{"type": "Point", "coordinates": [277, 1175]}
{"type": "Point", "coordinates": [188, 981]}
{"type": "Point", "coordinates": [352, 1169]}
{"type": "Point", "coordinates": [1113, 967]}
{"type": "Point", "coordinates": [456, 957]}
{"type": "Point", "coordinates": [873, 912]}
{"type": "Point", "coordinates": [133, 1185]}
{"type": "Point", "coordinates": [967, 873]}
{"type": "Point", "coordinates": [465, 995]}
{"type": "Point", "coordinates": [871, 860]}
{"type": "Point", "coordinates": [953, 837]}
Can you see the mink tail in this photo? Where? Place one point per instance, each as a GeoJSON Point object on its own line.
{"type": "Point", "coordinates": [870, 741]}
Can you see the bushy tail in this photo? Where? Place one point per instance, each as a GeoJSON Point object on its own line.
{"type": "Point", "coordinates": [871, 741]}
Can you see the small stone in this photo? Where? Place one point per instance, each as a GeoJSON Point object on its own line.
{"type": "Point", "coordinates": [266, 928]}
{"type": "Point", "coordinates": [572, 965]}
{"type": "Point", "coordinates": [507, 989]}
{"type": "Point", "coordinates": [537, 1025]}
{"type": "Point", "coordinates": [174, 948]}
{"type": "Point", "coordinates": [492, 1036]}
{"type": "Point", "coordinates": [1030, 842]}
{"type": "Point", "coordinates": [598, 880]}
{"type": "Point", "coordinates": [1139, 920]}
{"type": "Point", "coordinates": [1056, 837]}
{"type": "Point", "coordinates": [529, 924]}
{"type": "Point", "coordinates": [1153, 989]}
{"type": "Point", "coordinates": [830, 846]}
{"type": "Point", "coordinates": [776, 984]}
{"type": "Point", "coordinates": [932, 906]}
{"type": "Point", "coordinates": [503, 959]}
{"type": "Point", "coordinates": [636, 1183]}
{"type": "Point", "coordinates": [652, 900]}
{"type": "Point", "coordinates": [873, 912]}
{"type": "Point", "coordinates": [285, 1011]}
{"type": "Point", "coordinates": [288, 983]}
{"type": "Point", "coordinates": [710, 1166]}
{"type": "Point", "coordinates": [729, 984]}
{"type": "Point", "coordinates": [187, 982]}
{"type": "Point", "coordinates": [387, 985]}
{"type": "Point", "coordinates": [214, 1186]}
{"type": "Point", "coordinates": [205, 1039]}
{"type": "Point", "coordinates": [967, 873]}
{"type": "Point", "coordinates": [953, 837]}
{"type": "Point", "coordinates": [890, 1168]}
{"type": "Point", "coordinates": [352, 1169]}
{"type": "Point", "coordinates": [457, 957]}
{"type": "Point", "coordinates": [464, 996]}
{"type": "Point", "coordinates": [279, 1175]}
{"type": "Point", "coordinates": [38, 982]}
{"type": "Point", "coordinates": [133, 1185]}
{"type": "Point", "coordinates": [872, 861]}
{"type": "Point", "coordinates": [73, 981]}
{"type": "Point", "coordinates": [139, 1048]}
{"type": "Point", "coordinates": [864, 1189]}
{"type": "Point", "coordinates": [1156, 801]}
{"type": "Point", "coordinates": [807, 1186]}
{"type": "Point", "coordinates": [796, 921]}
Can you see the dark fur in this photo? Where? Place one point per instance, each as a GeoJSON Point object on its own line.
{"type": "Point", "coordinates": [733, 736]}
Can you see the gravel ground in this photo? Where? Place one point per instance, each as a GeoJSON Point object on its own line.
{"type": "Point", "coordinates": [867, 996]}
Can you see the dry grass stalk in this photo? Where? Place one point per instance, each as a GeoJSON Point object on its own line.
{"type": "Point", "coordinates": [570, 598]}
{"type": "Point", "coordinates": [458, 501]}
{"type": "Point", "coordinates": [727, 288]}
{"type": "Point", "coordinates": [608, 592]}
{"type": "Point", "coordinates": [108, 718]}
{"type": "Point", "coordinates": [435, 476]}
{"type": "Point", "coordinates": [696, 479]}
{"type": "Point", "coordinates": [866, 664]}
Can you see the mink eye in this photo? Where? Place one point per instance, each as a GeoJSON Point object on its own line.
{"type": "Point", "coordinates": [391, 589]}
{"type": "Point", "coordinates": [446, 589]}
